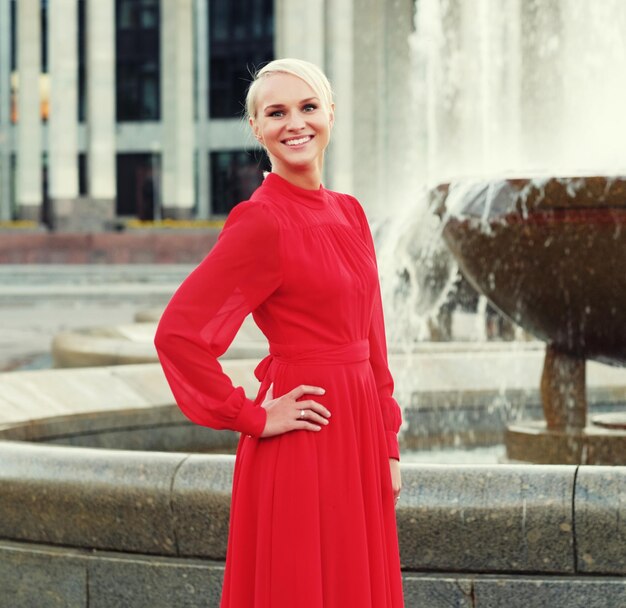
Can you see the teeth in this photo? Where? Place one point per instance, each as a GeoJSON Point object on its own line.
{"type": "Point", "coordinates": [297, 142]}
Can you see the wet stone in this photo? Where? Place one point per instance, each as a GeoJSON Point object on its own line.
{"type": "Point", "coordinates": [535, 592]}
{"type": "Point", "coordinates": [41, 579]}
{"type": "Point", "coordinates": [600, 508]}
{"type": "Point", "coordinates": [437, 591]}
{"type": "Point", "coordinates": [486, 518]}
{"type": "Point", "coordinates": [201, 504]}
{"type": "Point", "coordinates": [87, 498]}
{"type": "Point", "coordinates": [154, 583]}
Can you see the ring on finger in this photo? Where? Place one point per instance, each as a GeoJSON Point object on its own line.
{"type": "Point", "coordinates": [302, 414]}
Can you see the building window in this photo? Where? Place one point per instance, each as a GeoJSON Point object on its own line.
{"type": "Point", "coordinates": [138, 185]}
{"type": "Point", "coordinates": [81, 60]}
{"type": "Point", "coordinates": [44, 36]}
{"type": "Point", "coordinates": [82, 174]}
{"type": "Point", "coordinates": [14, 89]}
{"type": "Point", "coordinates": [235, 175]}
{"type": "Point", "coordinates": [241, 38]}
{"type": "Point", "coordinates": [138, 60]}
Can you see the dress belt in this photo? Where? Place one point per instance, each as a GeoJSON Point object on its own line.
{"type": "Point", "coordinates": [316, 354]}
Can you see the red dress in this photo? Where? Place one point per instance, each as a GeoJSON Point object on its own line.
{"type": "Point", "coordinates": [312, 519]}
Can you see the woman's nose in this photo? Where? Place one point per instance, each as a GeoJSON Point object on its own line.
{"type": "Point", "coordinates": [295, 122]}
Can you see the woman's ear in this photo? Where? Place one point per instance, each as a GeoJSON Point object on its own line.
{"type": "Point", "coordinates": [255, 130]}
{"type": "Point", "coordinates": [332, 115]}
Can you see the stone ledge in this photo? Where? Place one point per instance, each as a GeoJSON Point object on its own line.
{"type": "Point", "coordinates": [134, 343]}
{"type": "Point", "coordinates": [92, 499]}
{"type": "Point", "coordinates": [492, 518]}
{"type": "Point", "coordinates": [35, 575]}
{"type": "Point", "coordinates": [482, 518]}
{"type": "Point", "coordinates": [600, 518]}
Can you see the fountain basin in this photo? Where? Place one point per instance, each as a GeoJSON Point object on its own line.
{"type": "Point", "coordinates": [550, 253]}
{"type": "Point", "coordinates": [594, 445]}
{"type": "Point", "coordinates": [134, 343]}
{"type": "Point", "coordinates": [130, 527]}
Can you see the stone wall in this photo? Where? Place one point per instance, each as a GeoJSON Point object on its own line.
{"type": "Point", "coordinates": [160, 247]}
{"type": "Point", "coordinates": [90, 526]}
{"type": "Point", "coordinates": [137, 529]}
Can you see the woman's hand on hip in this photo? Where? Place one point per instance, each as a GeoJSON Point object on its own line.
{"type": "Point", "coordinates": [286, 414]}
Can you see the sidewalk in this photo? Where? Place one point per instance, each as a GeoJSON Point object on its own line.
{"type": "Point", "coordinates": [38, 301]}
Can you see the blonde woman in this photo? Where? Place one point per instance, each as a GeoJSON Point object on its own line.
{"type": "Point", "coordinates": [317, 472]}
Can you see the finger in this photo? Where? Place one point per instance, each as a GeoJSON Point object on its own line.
{"type": "Point", "coordinates": [305, 389]}
{"type": "Point", "coordinates": [311, 416]}
{"type": "Point", "coordinates": [303, 425]}
{"type": "Point", "coordinates": [314, 406]}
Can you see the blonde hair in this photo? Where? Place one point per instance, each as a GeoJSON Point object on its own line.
{"type": "Point", "coordinates": [304, 70]}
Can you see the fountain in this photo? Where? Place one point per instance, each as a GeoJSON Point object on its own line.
{"type": "Point", "coordinates": [512, 89]}
{"type": "Point", "coordinates": [547, 252]}
{"type": "Point", "coordinates": [130, 516]}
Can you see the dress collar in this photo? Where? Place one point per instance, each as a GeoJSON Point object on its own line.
{"type": "Point", "coordinates": [311, 198]}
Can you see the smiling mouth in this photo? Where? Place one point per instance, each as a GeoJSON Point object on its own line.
{"type": "Point", "coordinates": [298, 141]}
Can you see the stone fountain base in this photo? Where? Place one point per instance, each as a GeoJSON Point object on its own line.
{"type": "Point", "coordinates": [532, 441]}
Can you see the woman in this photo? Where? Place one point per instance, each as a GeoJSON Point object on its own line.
{"type": "Point", "coordinates": [317, 472]}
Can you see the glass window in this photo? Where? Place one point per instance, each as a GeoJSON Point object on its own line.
{"type": "Point", "coordinates": [44, 36]}
{"type": "Point", "coordinates": [219, 20]}
{"type": "Point", "coordinates": [13, 35]}
{"type": "Point", "coordinates": [138, 60]}
{"type": "Point", "coordinates": [150, 95]}
{"type": "Point", "coordinates": [125, 14]}
{"type": "Point", "coordinates": [138, 185]}
{"type": "Point", "coordinates": [235, 175]}
{"type": "Point", "coordinates": [149, 17]}
{"type": "Point", "coordinates": [81, 60]}
{"type": "Point", "coordinates": [13, 84]}
{"type": "Point", "coordinates": [241, 38]}
{"type": "Point", "coordinates": [82, 174]}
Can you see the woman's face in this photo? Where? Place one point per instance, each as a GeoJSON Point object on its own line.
{"type": "Point", "coordinates": [292, 124]}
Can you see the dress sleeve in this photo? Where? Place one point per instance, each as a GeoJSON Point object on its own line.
{"type": "Point", "coordinates": [207, 310]}
{"type": "Point", "coordinates": [392, 414]}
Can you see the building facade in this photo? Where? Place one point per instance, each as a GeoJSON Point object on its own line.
{"type": "Point", "coordinates": [111, 109]}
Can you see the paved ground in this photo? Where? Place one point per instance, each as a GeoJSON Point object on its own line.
{"type": "Point", "coordinates": [36, 302]}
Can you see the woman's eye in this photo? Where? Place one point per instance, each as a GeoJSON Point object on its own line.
{"type": "Point", "coordinates": [276, 114]}
{"type": "Point", "coordinates": [309, 107]}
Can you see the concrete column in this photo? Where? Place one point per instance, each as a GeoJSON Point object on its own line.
{"type": "Point", "coordinates": [101, 144]}
{"type": "Point", "coordinates": [340, 40]}
{"type": "Point", "coordinates": [369, 87]}
{"type": "Point", "coordinates": [177, 108]}
{"type": "Point", "coordinates": [202, 95]}
{"type": "Point", "coordinates": [63, 119]}
{"type": "Point", "coordinates": [29, 190]}
{"type": "Point", "coordinates": [368, 62]}
{"type": "Point", "coordinates": [293, 18]}
{"type": "Point", "coordinates": [5, 110]}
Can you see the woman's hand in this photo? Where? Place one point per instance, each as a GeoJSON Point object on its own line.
{"type": "Point", "coordinates": [285, 414]}
{"type": "Point", "coordinates": [396, 479]}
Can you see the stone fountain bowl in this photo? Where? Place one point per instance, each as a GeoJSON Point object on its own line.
{"type": "Point", "coordinates": [549, 252]}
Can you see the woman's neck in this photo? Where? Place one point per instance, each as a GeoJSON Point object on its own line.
{"type": "Point", "coordinates": [309, 180]}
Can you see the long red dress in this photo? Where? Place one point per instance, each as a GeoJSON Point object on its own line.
{"type": "Point", "coordinates": [312, 520]}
